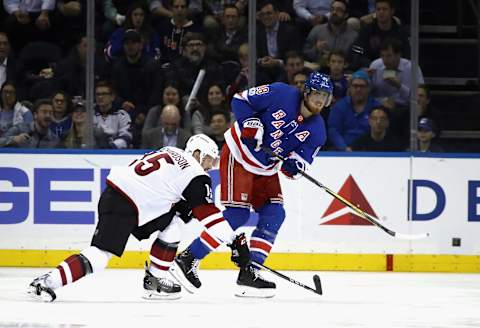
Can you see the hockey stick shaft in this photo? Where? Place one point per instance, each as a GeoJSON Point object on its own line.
{"type": "Point", "coordinates": [347, 203]}
{"type": "Point", "coordinates": [293, 281]}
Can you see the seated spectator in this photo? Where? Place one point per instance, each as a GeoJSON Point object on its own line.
{"type": "Point", "coordinates": [202, 111]}
{"type": "Point", "coordinates": [115, 13]}
{"type": "Point", "coordinates": [173, 31]}
{"type": "Point", "coordinates": [367, 46]}
{"type": "Point", "coordinates": [336, 64]}
{"type": "Point", "coordinates": [29, 21]}
{"type": "Point", "coordinates": [224, 43]}
{"type": "Point", "coordinates": [77, 135]}
{"type": "Point", "coordinates": [12, 112]}
{"type": "Point", "coordinates": [70, 20]}
{"type": "Point", "coordinates": [333, 36]}
{"type": "Point", "coordinates": [348, 118]}
{"type": "Point", "coordinates": [315, 12]}
{"type": "Point", "coordinates": [274, 39]}
{"type": "Point", "coordinates": [185, 69]}
{"type": "Point", "coordinates": [138, 19]}
{"type": "Point", "coordinates": [299, 79]}
{"type": "Point", "coordinates": [425, 107]}
{"type": "Point", "coordinates": [61, 120]}
{"type": "Point", "coordinates": [391, 76]}
{"type": "Point", "coordinates": [10, 67]}
{"type": "Point", "coordinates": [379, 138]}
{"type": "Point", "coordinates": [219, 124]}
{"type": "Point", "coordinates": [170, 96]}
{"type": "Point", "coordinates": [168, 131]}
{"type": "Point", "coordinates": [35, 134]}
{"type": "Point", "coordinates": [111, 126]}
{"type": "Point", "coordinates": [426, 136]}
{"type": "Point", "coordinates": [293, 63]}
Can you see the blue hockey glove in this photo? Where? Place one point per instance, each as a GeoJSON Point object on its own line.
{"type": "Point", "coordinates": [291, 167]}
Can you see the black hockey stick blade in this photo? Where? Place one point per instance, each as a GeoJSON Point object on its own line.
{"type": "Point", "coordinates": [316, 279]}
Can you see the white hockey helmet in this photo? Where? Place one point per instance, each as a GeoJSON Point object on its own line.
{"type": "Point", "coordinates": [204, 144]}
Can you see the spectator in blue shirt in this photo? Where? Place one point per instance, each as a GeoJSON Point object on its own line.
{"type": "Point", "coordinates": [348, 119]}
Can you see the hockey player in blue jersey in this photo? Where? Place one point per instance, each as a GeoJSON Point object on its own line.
{"type": "Point", "coordinates": [280, 118]}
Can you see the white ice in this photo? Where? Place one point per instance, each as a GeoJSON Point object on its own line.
{"type": "Point", "coordinates": [351, 299]}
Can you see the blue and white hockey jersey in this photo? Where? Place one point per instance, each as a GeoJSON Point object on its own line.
{"type": "Point", "coordinates": [286, 132]}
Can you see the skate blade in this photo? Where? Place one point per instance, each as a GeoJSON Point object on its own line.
{"type": "Point", "coordinates": [250, 292]}
{"type": "Point", "coordinates": [154, 295]}
{"type": "Point", "coordinates": [44, 296]}
{"type": "Point", "coordinates": [177, 273]}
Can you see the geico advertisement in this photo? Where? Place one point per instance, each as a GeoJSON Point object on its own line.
{"type": "Point", "coordinates": [48, 201]}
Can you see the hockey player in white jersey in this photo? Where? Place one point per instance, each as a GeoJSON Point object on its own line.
{"type": "Point", "coordinates": [153, 193]}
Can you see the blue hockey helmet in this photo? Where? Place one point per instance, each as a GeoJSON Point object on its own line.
{"type": "Point", "coordinates": [319, 82]}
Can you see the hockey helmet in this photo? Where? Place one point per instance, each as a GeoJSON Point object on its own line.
{"type": "Point", "coordinates": [204, 144]}
{"type": "Point", "coordinates": [319, 82]}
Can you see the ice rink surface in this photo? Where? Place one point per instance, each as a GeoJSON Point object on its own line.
{"type": "Point", "coordinates": [351, 299]}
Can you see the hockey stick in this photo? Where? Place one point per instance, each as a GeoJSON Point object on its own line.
{"type": "Point", "coordinates": [356, 209]}
{"type": "Point", "coordinates": [316, 279]}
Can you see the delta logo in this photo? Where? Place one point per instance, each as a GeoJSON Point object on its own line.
{"type": "Point", "coordinates": [339, 214]}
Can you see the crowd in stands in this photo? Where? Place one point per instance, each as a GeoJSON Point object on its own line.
{"type": "Point", "coordinates": [149, 53]}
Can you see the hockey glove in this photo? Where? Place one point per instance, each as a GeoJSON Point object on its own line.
{"type": "Point", "coordinates": [252, 132]}
{"type": "Point", "coordinates": [291, 167]}
{"type": "Point", "coordinates": [240, 251]}
{"type": "Point", "coordinates": [183, 211]}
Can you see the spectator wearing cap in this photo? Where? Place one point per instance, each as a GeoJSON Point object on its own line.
{"type": "Point", "coordinates": [138, 19]}
{"type": "Point", "coordinates": [77, 136]}
{"type": "Point", "coordinates": [426, 136]}
{"type": "Point", "coordinates": [348, 118]}
{"type": "Point", "coordinates": [379, 138]}
{"type": "Point", "coordinates": [186, 68]}
{"type": "Point", "coordinates": [173, 31]}
{"type": "Point", "coordinates": [35, 134]}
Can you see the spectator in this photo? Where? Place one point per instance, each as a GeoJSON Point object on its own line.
{"type": "Point", "coordinates": [115, 13]}
{"type": "Point", "coordinates": [391, 76]}
{"type": "Point", "coordinates": [226, 41]}
{"type": "Point", "coordinates": [172, 32]}
{"type": "Point", "coordinates": [35, 134]}
{"type": "Point", "coordinates": [367, 46]}
{"type": "Point", "coordinates": [12, 112]}
{"type": "Point", "coordinates": [274, 39]}
{"type": "Point", "coordinates": [425, 107]}
{"type": "Point", "coordinates": [293, 63]}
{"type": "Point", "coordinates": [137, 19]}
{"type": "Point", "coordinates": [348, 118]}
{"type": "Point", "coordinates": [185, 69]}
{"type": "Point", "coordinates": [28, 21]}
{"type": "Point", "coordinates": [202, 111]}
{"type": "Point", "coordinates": [71, 71]}
{"type": "Point", "coordinates": [10, 67]}
{"type": "Point", "coordinates": [379, 138]}
{"type": "Point", "coordinates": [111, 125]}
{"type": "Point", "coordinates": [426, 135]}
{"type": "Point", "coordinates": [337, 64]}
{"type": "Point", "coordinates": [335, 35]}
{"type": "Point", "coordinates": [219, 124]}
{"type": "Point", "coordinates": [299, 79]}
{"type": "Point", "coordinates": [77, 136]}
{"type": "Point", "coordinates": [170, 96]}
{"type": "Point", "coordinates": [70, 21]}
{"type": "Point", "coordinates": [61, 120]}
{"type": "Point", "coordinates": [168, 131]}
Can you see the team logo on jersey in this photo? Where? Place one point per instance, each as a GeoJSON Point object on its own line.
{"type": "Point", "coordinates": [278, 124]}
{"type": "Point", "coordinates": [276, 143]}
{"type": "Point", "coordinates": [292, 126]}
{"type": "Point", "coordinates": [260, 90]}
{"type": "Point", "coordinates": [339, 214]}
{"type": "Point", "coordinates": [302, 136]}
{"type": "Point", "coordinates": [276, 134]}
{"type": "Point", "coordinates": [279, 114]}
{"type": "Point", "coordinates": [278, 150]}
{"type": "Point", "coordinates": [244, 196]}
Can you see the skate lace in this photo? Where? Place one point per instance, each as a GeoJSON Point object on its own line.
{"type": "Point", "coordinates": [194, 269]}
{"type": "Point", "coordinates": [256, 274]}
{"type": "Point", "coordinates": [165, 282]}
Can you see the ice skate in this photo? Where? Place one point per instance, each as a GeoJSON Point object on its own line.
{"type": "Point", "coordinates": [251, 284]}
{"type": "Point", "coordinates": [160, 288]}
{"type": "Point", "coordinates": [39, 290]}
{"type": "Point", "coordinates": [185, 271]}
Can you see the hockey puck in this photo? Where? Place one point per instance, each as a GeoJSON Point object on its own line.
{"type": "Point", "coordinates": [318, 284]}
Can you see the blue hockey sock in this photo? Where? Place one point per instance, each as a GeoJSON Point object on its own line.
{"type": "Point", "coordinates": [198, 249]}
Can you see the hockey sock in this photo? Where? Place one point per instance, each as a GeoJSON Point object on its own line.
{"type": "Point", "coordinates": [70, 270]}
{"type": "Point", "coordinates": [161, 257]}
{"type": "Point", "coordinates": [261, 243]}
